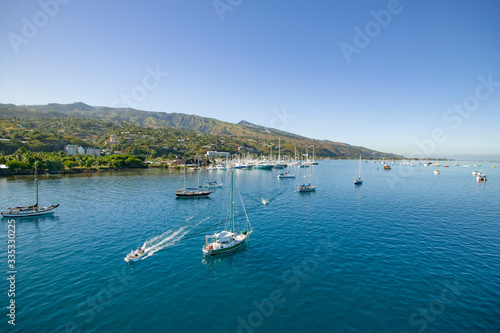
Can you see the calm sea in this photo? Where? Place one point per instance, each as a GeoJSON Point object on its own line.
{"type": "Point", "coordinates": [407, 251]}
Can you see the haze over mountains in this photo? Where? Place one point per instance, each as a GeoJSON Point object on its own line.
{"type": "Point", "coordinates": [182, 121]}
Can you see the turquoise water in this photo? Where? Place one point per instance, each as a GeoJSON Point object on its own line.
{"type": "Point", "coordinates": [407, 251]}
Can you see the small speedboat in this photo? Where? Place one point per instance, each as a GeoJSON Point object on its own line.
{"type": "Point", "coordinates": [286, 175]}
{"type": "Point", "coordinates": [475, 173]}
{"type": "Point", "coordinates": [212, 184]}
{"type": "Point", "coordinates": [436, 172]}
{"type": "Point", "coordinates": [135, 255]}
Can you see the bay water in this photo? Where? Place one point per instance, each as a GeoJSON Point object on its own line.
{"type": "Point", "coordinates": [407, 251]}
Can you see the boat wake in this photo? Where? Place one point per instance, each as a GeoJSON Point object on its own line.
{"type": "Point", "coordinates": [169, 238]}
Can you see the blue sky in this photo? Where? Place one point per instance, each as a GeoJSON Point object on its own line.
{"type": "Point", "coordinates": [300, 66]}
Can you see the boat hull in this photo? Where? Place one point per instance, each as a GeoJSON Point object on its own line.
{"type": "Point", "coordinates": [263, 166]}
{"type": "Point", "coordinates": [128, 258]}
{"type": "Point", "coordinates": [307, 188]}
{"type": "Point", "coordinates": [29, 213]}
{"type": "Point", "coordinates": [183, 194]}
{"type": "Point", "coordinates": [212, 252]}
{"type": "Point", "coordinates": [286, 176]}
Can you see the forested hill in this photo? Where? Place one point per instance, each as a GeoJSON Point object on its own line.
{"type": "Point", "coordinates": [209, 126]}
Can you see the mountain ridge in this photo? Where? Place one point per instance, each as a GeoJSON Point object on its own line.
{"type": "Point", "coordinates": [206, 125]}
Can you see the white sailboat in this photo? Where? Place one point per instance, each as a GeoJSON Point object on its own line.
{"type": "Point", "coordinates": [359, 179]}
{"type": "Point", "coordinates": [228, 239]}
{"type": "Point", "coordinates": [306, 186]}
{"type": "Point", "coordinates": [279, 164]}
{"type": "Point", "coordinates": [34, 210]}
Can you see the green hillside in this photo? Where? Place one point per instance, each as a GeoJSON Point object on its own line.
{"type": "Point", "coordinates": [55, 122]}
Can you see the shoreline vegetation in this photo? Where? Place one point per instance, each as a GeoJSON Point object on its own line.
{"type": "Point", "coordinates": [23, 160]}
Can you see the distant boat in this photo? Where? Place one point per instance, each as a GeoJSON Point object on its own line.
{"type": "Point", "coordinates": [212, 184]}
{"type": "Point", "coordinates": [475, 173]}
{"type": "Point", "coordinates": [313, 162]}
{"type": "Point", "coordinates": [481, 177]}
{"type": "Point", "coordinates": [192, 192]}
{"type": "Point", "coordinates": [228, 239]}
{"type": "Point", "coordinates": [263, 165]}
{"type": "Point", "coordinates": [285, 175]}
{"type": "Point", "coordinates": [307, 187]}
{"type": "Point", "coordinates": [34, 210]}
{"type": "Point", "coordinates": [436, 172]}
{"type": "Point", "coordinates": [359, 179]}
{"type": "Point", "coordinates": [387, 167]}
{"type": "Point", "coordinates": [279, 164]}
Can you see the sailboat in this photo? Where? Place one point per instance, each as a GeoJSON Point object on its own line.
{"type": "Point", "coordinates": [34, 210]}
{"type": "Point", "coordinates": [192, 192]}
{"type": "Point", "coordinates": [359, 180]}
{"type": "Point", "coordinates": [280, 164]}
{"type": "Point", "coordinates": [228, 239]}
{"type": "Point", "coordinates": [307, 175]}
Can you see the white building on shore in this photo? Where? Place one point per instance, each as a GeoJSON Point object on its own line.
{"type": "Point", "coordinates": [72, 150]}
{"type": "Point", "coordinates": [216, 153]}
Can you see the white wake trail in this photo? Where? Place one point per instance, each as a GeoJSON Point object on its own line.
{"type": "Point", "coordinates": [168, 238]}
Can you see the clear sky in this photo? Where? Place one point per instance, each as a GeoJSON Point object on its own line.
{"type": "Point", "coordinates": [409, 77]}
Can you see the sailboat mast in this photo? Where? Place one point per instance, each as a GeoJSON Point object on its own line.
{"type": "Point", "coordinates": [198, 171]}
{"type": "Point", "coordinates": [311, 166]}
{"type": "Point", "coordinates": [279, 151]}
{"type": "Point", "coordinates": [232, 204]}
{"type": "Point", "coordinates": [36, 184]}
